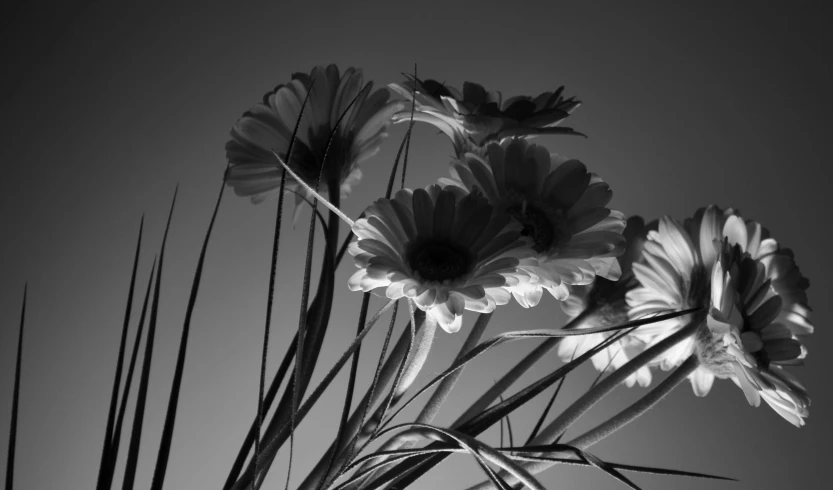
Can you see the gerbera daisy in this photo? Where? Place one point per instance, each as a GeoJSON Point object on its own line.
{"type": "Point", "coordinates": [476, 117]}
{"type": "Point", "coordinates": [757, 297]}
{"type": "Point", "coordinates": [603, 302]}
{"type": "Point", "coordinates": [560, 205]}
{"type": "Point", "coordinates": [268, 126]}
{"type": "Point", "coordinates": [442, 248]}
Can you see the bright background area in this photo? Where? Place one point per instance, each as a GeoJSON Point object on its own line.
{"type": "Point", "coordinates": [106, 106]}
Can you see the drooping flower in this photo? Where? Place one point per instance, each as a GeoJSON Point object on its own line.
{"type": "Point", "coordinates": [603, 305]}
{"type": "Point", "coordinates": [756, 300]}
{"type": "Point", "coordinates": [268, 125]}
{"type": "Point", "coordinates": [445, 249]}
{"type": "Point", "coordinates": [560, 205]}
{"type": "Point", "coordinates": [750, 336]}
{"type": "Point", "coordinates": [474, 118]}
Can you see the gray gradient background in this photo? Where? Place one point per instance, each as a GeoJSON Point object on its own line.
{"type": "Point", "coordinates": [107, 105]}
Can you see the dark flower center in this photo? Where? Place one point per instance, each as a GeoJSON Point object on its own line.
{"type": "Point", "coordinates": [439, 260]}
{"type": "Point", "coordinates": [537, 225]}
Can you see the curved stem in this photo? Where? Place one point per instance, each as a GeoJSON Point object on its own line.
{"type": "Point", "coordinates": [558, 426]}
{"type": "Point", "coordinates": [636, 410]}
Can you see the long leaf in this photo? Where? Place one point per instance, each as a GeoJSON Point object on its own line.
{"type": "Point", "coordinates": [141, 398]}
{"type": "Point", "coordinates": [554, 451]}
{"type": "Point", "coordinates": [114, 445]}
{"type": "Point", "coordinates": [348, 396]}
{"type": "Point", "coordinates": [274, 386]}
{"type": "Point", "coordinates": [531, 334]}
{"type": "Point", "coordinates": [334, 191]}
{"type": "Point", "coordinates": [489, 417]}
{"type": "Point", "coordinates": [550, 454]}
{"type": "Point", "coordinates": [281, 433]}
{"type": "Point", "coordinates": [106, 452]}
{"type": "Point", "coordinates": [549, 405]}
{"type": "Point", "coordinates": [477, 449]}
{"type": "Point", "coordinates": [173, 399]}
{"type": "Point", "coordinates": [408, 134]}
{"type": "Point", "coordinates": [432, 407]}
{"type": "Point", "coordinates": [518, 370]}
{"type": "Point", "coordinates": [16, 396]}
{"type": "Point", "coordinates": [354, 430]}
{"type": "Point", "coordinates": [128, 381]}
{"type": "Point", "coordinates": [269, 398]}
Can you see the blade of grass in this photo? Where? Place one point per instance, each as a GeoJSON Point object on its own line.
{"type": "Point", "coordinates": [106, 453]}
{"type": "Point", "coordinates": [557, 427]}
{"type": "Point", "coordinates": [351, 382]}
{"type": "Point", "coordinates": [516, 454]}
{"type": "Point", "coordinates": [509, 426]}
{"type": "Point", "coordinates": [546, 411]}
{"type": "Point", "coordinates": [271, 291]}
{"type": "Point", "coordinates": [490, 416]}
{"type": "Point", "coordinates": [270, 299]}
{"type": "Point", "coordinates": [408, 134]}
{"type": "Point", "coordinates": [366, 407]}
{"type": "Point", "coordinates": [248, 441]}
{"type": "Point", "coordinates": [591, 460]}
{"type": "Point", "coordinates": [517, 371]}
{"type": "Point", "coordinates": [16, 396]}
{"type": "Point", "coordinates": [115, 442]}
{"type": "Point", "coordinates": [528, 334]}
{"type": "Point", "coordinates": [355, 427]}
{"type": "Point", "coordinates": [339, 256]}
{"type": "Point", "coordinates": [141, 397]}
{"type": "Point", "coordinates": [281, 434]}
{"type": "Point", "coordinates": [549, 404]}
{"type": "Point", "coordinates": [432, 407]}
{"type": "Point", "coordinates": [334, 191]}
{"type": "Point", "coordinates": [348, 396]}
{"type": "Point", "coordinates": [173, 399]}
{"type": "Point", "coordinates": [478, 449]}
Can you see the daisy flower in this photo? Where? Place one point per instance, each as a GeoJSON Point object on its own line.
{"type": "Point", "coordinates": [604, 303]}
{"type": "Point", "coordinates": [445, 249]}
{"type": "Point", "coordinates": [559, 205]}
{"type": "Point", "coordinates": [475, 117]}
{"type": "Point", "coordinates": [255, 172]}
{"type": "Point", "coordinates": [757, 305]}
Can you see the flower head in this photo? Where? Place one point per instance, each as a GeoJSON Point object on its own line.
{"type": "Point", "coordinates": [559, 205]}
{"type": "Point", "coordinates": [603, 304]}
{"type": "Point", "coordinates": [756, 299]}
{"type": "Point", "coordinates": [268, 126]}
{"type": "Point", "coordinates": [446, 250]}
{"type": "Point", "coordinates": [750, 333]}
{"type": "Point", "coordinates": [476, 117]}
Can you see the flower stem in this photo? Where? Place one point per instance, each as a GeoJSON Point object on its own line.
{"type": "Point", "coordinates": [637, 409]}
{"type": "Point", "coordinates": [558, 426]}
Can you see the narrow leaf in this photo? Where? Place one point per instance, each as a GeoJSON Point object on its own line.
{"type": "Point", "coordinates": [274, 440]}
{"type": "Point", "coordinates": [490, 416]}
{"type": "Point", "coordinates": [348, 396]}
{"type": "Point", "coordinates": [173, 399]}
{"type": "Point", "coordinates": [16, 397]}
{"type": "Point", "coordinates": [128, 381]}
{"type": "Point", "coordinates": [106, 452]}
{"type": "Point", "coordinates": [141, 398]}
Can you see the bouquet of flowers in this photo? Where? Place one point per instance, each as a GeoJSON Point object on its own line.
{"type": "Point", "coordinates": [710, 296]}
